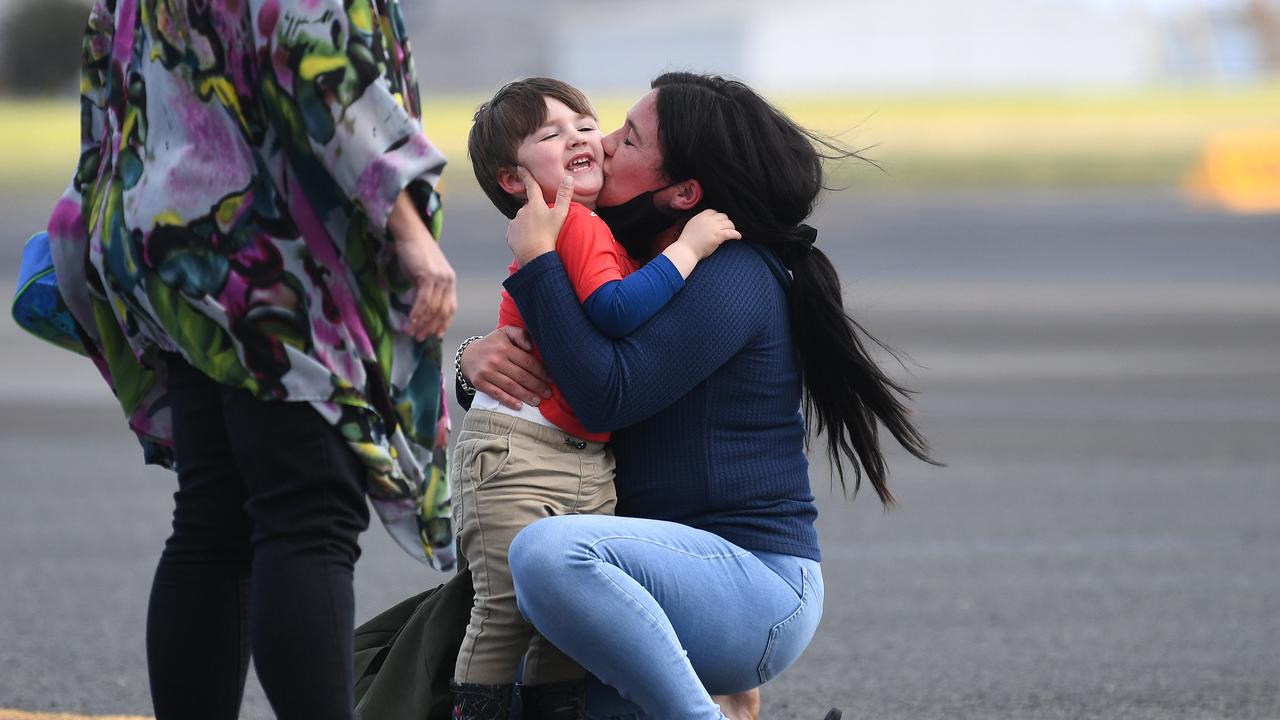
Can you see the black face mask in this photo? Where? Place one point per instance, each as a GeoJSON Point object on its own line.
{"type": "Point", "coordinates": [636, 222]}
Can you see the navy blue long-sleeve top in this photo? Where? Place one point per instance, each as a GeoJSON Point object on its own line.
{"type": "Point", "coordinates": [703, 400]}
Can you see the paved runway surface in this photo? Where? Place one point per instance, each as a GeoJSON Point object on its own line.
{"type": "Point", "coordinates": [1100, 371]}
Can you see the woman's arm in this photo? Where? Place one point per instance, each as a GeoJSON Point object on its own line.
{"type": "Point", "coordinates": [424, 264]}
{"type": "Point", "coordinates": [614, 383]}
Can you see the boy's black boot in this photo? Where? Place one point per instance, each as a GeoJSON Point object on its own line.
{"type": "Point", "coordinates": [554, 701]}
{"type": "Point", "coordinates": [472, 701]}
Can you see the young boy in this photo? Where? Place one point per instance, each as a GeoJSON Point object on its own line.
{"type": "Point", "coordinates": [514, 467]}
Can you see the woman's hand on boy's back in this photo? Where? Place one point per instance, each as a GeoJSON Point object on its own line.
{"type": "Point", "coordinates": [502, 365]}
{"type": "Point", "coordinates": [535, 228]}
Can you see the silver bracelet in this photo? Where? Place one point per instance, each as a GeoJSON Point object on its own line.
{"type": "Point", "coordinates": [467, 387]}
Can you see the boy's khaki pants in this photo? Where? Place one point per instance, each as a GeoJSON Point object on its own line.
{"type": "Point", "coordinates": [509, 472]}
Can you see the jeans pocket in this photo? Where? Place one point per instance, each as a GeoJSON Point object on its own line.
{"type": "Point", "coordinates": [789, 638]}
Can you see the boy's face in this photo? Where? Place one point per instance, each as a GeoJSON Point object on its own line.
{"type": "Point", "coordinates": [567, 143]}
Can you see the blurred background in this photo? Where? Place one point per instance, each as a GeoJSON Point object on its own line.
{"type": "Point", "coordinates": [1073, 234]}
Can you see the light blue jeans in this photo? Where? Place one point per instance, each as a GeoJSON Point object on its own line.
{"type": "Point", "coordinates": [661, 614]}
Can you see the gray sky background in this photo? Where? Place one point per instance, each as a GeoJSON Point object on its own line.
{"type": "Point", "coordinates": [845, 46]}
{"type": "Point", "coordinates": [851, 46]}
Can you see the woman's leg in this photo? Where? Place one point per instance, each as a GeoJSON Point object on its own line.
{"type": "Point", "coordinates": [664, 612]}
{"type": "Point", "coordinates": [307, 502]}
{"type": "Point", "coordinates": [197, 639]}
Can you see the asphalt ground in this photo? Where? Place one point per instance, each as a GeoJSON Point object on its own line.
{"type": "Point", "coordinates": [1099, 370]}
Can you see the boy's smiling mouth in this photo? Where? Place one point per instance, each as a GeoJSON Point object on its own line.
{"type": "Point", "coordinates": [580, 163]}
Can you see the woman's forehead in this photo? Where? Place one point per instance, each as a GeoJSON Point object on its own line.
{"type": "Point", "coordinates": [644, 114]}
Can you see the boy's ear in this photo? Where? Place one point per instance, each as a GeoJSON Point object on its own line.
{"type": "Point", "coordinates": [688, 193]}
{"type": "Point", "coordinates": [510, 182]}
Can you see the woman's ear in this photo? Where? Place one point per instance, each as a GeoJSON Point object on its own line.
{"type": "Point", "coordinates": [688, 193]}
{"type": "Point", "coordinates": [510, 182]}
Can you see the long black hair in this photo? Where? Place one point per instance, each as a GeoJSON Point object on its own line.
{"type": "Point", "coordinates": [764, 171]}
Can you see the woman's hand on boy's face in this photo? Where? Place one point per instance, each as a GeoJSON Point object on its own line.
{"type": "Point", "coordinates": [535, 228]}
{"type": "Point", "coordinates": [502, 366]}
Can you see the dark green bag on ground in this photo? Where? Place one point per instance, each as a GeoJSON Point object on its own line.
{"type": "Point", "coordinates": [405, 656]}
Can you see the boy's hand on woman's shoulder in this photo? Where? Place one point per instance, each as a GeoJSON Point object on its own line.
{"type": "Point", "coordinates": [700, 237]}
{"type": "Point", "coordinates": [706, 231]}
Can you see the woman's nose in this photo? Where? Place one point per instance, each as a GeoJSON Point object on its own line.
{"type": "Point", "coordinates": [609, 143]}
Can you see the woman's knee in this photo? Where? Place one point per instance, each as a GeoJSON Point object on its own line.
{"type": "Point", "coordinates": [542, 554]}
{"type": "Point", "coordinates": [538, 549]}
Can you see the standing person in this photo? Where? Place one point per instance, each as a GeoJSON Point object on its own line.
{"type": "Point", "coordinates": [709, 579]}
{"type": "Point", "coordinates": [514, 467]}
{"type": "Point", "coordinates": [249, 248]}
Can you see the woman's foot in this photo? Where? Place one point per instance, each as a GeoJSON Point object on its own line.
{"type": "Point", "coordinates": [833, 714]}
{"type": "Point", "coordinates": [740, 706]}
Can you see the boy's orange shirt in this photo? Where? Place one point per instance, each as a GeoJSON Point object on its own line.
{"type": "Point", "coordinates": [591, 258]}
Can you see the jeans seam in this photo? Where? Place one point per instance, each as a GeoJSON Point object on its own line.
{"type": "Point", "coordinates": [596, 562]}
{"type": "Point", "coordinates": [664, 546]}
{"type": "Point", "coordinates": [806, 591]}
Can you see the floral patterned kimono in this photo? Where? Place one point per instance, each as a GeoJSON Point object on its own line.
{"type": "Point", "coordinates": [239, 162]}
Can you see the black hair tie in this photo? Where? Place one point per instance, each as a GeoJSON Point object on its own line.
{"type": "Point", "coordinates": [797, 245]}
{"type": "Point", "coordinates": [807, 235]}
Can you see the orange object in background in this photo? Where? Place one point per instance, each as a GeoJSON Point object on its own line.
{"type": "Point", "coordinates": [1240, 171]}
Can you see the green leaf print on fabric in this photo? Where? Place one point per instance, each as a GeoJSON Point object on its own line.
{"type": "Point", "coordinates": [207, 346]}
{"type": "Point", "coordinates": [131, 381]}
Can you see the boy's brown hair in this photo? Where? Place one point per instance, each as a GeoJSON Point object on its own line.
{"type": "Point", "coordinates": [500, 125]}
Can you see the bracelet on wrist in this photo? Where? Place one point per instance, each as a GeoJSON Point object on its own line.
{"type": "Point", "coordinates": [467, 387]}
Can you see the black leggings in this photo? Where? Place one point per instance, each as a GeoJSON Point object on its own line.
{"type": "Point", "coordinates": [269, 505]}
